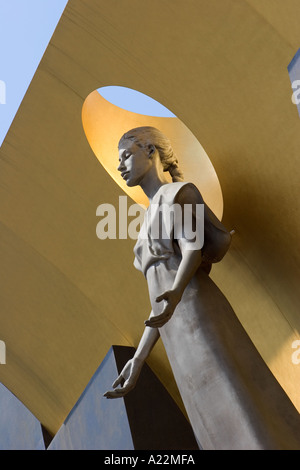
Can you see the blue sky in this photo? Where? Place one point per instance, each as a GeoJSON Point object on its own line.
{"type": "Point", "coordinates": [134, 101]}
{"type": "Point", "coordinates": [26, 27]}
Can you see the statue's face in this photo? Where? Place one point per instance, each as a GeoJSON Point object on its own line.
{"type": "Point", "coordinates": [134, 162]}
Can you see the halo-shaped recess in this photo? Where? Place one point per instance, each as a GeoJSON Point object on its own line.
{"type": "Point", "coordinates": [104, 123]}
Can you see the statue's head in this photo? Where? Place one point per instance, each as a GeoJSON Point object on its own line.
{"type": "Point", "coordinates": [147, 137]}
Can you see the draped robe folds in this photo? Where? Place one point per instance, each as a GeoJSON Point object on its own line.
{"type": "Point", "coordinates": [232, 399]}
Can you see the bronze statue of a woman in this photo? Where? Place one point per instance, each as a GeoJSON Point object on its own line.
{"type": "Point", "coordinates": [229, 393]}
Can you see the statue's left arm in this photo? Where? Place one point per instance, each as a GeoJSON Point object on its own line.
{"type": "Point", "coordinates": [191, 258]}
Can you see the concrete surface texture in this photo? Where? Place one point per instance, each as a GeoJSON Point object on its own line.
{"type": "Point", "coordinates": [221, 68]}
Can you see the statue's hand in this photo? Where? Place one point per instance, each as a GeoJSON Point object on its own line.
{"type": "Point", "coordinates": [127, 379]}
{"type": "Point", "coordinates": [172, 298]}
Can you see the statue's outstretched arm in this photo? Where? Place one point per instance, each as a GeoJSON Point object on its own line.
{"type": "Point", "coordinates": [130, 373]}
{"type": "Point", "coordinates": [191, 256]}
{"type": "Point", "coordinates": [190, 262]}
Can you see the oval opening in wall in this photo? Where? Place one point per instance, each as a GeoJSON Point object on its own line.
{"type": "Point", "coordinates": [134, 101]}
{"type": "Point", "coordinates": [109, 112]}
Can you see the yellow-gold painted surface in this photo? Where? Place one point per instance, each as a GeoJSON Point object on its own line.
{"type": "Point", "coordinates": [66, 296]}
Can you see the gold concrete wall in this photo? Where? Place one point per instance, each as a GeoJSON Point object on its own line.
{"type": "Point", "coordinates": [66, 296]}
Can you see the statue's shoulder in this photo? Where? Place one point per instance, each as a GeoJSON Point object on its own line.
{"type": "Point", "coordinates": [181, 192]}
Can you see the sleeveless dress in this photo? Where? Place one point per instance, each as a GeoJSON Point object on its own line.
{"type": "Point", "coordinates": [232, 399]}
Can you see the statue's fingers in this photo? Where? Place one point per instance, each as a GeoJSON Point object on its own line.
{"type": "Point", "coordinates": [118, 393]}
{"type": "Point", "coordinates": [152, 322]}
{"type": "Point", "coordinates": [149, 323]}
{"type": "Point", "coordinates": [108, 394]}
{"type": "Point", "coordinates": [128, 385]}
{"type": "Point", "coordinates": [159, 320]}
{"type": "Point", "coordinates": [163, 321]}
{"type": "Point", "coordinates": [162, 297]}
{"type": "Point", "coordinates": [118, 381]}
